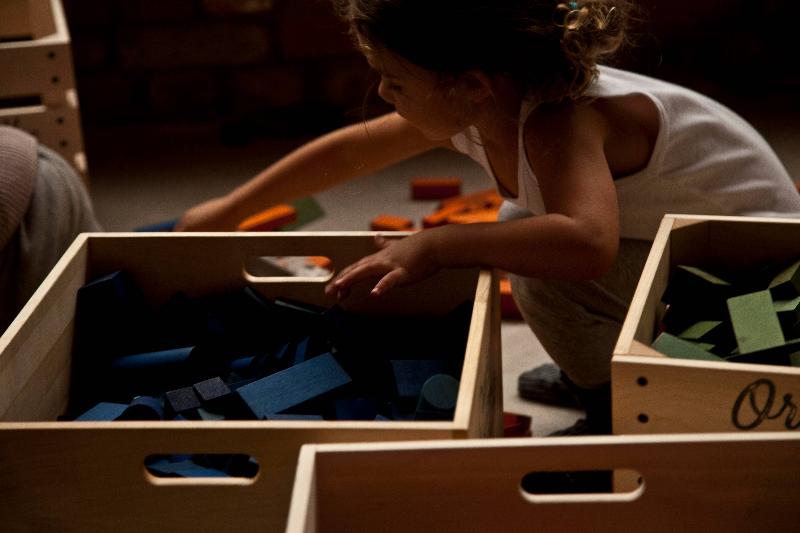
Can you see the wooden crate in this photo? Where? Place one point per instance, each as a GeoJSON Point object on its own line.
{"type": "Point", "coordinates": [89, 476]}
{"type": "Point", "coordinates": [57, 127]}
{"type": "Point", "coordinates": [715, 482]}
{"type": "Point", "coordinates": [35, 50]}
{"type": "Point", "coordinates": [656, 394]}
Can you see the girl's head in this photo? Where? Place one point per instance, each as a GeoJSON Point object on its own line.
{"type": "Point", "coordinates": [550, 48]}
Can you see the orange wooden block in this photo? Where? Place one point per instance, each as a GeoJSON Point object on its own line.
{"type": "Point", "coordinates": [269, 219]}
{"type": "Point", "coordinates": [470, 217]}
{"type": "Point", "coordinates": [321, 261]}
{"type": "Point", "coordinates": [481, 199]}
{"type": "Point", "coordinates": [435, 188]}
{"type": "Point", "coordinates": [390, 223]}
{"type": "Point", "coordinates": [439, 218]}
{"type": "Point", "coordinates": [508, 307]}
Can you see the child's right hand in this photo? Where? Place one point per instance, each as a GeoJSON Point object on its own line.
{"type": "Point", "coordinates": [212, 215]}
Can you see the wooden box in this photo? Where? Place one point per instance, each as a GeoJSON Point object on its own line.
{"type": "Point", "coordinates": [90, 476]}
{"type": "Point", "coordinates": [653, 393]}
{"type": "Point", "coordinates": [35, 51]}
{"type": "Point", "coordinates": [715, 482]}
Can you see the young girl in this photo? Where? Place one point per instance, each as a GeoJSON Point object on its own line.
{"type": "Point", "coordinates": [589, 159]}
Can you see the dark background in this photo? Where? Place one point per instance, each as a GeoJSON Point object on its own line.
{"type": "Point", "coordinates": [286, 67]}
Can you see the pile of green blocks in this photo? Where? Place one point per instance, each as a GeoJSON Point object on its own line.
{"type": "Point", "coordinates": [747, 318]}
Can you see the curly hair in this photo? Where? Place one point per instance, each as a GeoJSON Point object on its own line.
{"type": "Point", "coordinates": [551, 48]}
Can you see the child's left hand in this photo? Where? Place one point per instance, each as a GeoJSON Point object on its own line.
{"type": "Point", "coordinates": [399, 262]}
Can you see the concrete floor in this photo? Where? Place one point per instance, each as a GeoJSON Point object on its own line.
{"type": "Point", "coordinates": [142, 175]}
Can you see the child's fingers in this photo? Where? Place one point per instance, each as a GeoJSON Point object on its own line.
{"type": "Point", "coordinates": [351, 275]}
{"type": "Point", "coordinates": [389, 281]}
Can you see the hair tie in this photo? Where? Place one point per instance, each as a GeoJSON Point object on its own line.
{"type": "Point", "coordinates": [573, 5]}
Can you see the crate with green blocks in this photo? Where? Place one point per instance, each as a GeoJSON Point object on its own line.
{"type": "Point", "coordinates": [711, 341]}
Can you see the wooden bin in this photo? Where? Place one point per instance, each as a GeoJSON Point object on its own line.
{"type": "Point", "coordinates": [37, 81]}
{"type": "Point", "coordinates": [656, 394]}
{"type": "Point", "coordinates": [716, 482]}
{"type": "Point", "coordinates": [89, 476]}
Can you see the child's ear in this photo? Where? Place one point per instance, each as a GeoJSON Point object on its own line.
{"type": "Point", "coordinates": [477, 85]}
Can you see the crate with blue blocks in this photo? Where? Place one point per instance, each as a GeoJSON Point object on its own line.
{"type": "Point", "coordinates": [711, 341]}
{"type": "Point", "coordinates": [159, 369]}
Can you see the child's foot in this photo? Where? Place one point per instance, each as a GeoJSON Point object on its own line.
{"type": "Point", "coordinates": [544, 384]}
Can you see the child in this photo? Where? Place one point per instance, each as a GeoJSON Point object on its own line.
{"type": "Point", "coordinates": [588, 158]}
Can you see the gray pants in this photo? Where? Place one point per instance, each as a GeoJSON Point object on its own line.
{"type": "Point", "coordinates": [578, 322]}
{"type": "Point", "coordinates": [59, 210]}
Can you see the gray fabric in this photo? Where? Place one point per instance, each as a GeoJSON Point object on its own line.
{"type": "Point", "coordinates": [17, 171]}
{"type": "Point", "coordinates": [60, 209]}
{"type": "Point", "coordinates": [578, 322]}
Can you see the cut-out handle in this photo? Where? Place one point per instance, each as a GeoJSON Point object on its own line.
{"type": "Point", "coordinates": [573, 486]}
{"type": "Point", "coordinates": [200, 468]}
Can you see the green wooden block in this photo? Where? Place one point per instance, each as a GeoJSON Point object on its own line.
{"type": "Point", "coordinates": [794, 359]}
{"type": "Point", "coordinates": [786, 285]}
{"type": "Point", "coordinates": [788, 315]}
{"type": "Point", "coordinates": [718, 334]}
{"type": "Point", "coordinates": [673, 346]}
{"type": "Point", "coordinates": [777, 355]}
{"type": "Point", "coordinates": [755, 322]}
{"type": "Point", "coordinates": [699, 292]}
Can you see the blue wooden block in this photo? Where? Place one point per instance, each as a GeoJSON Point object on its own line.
{"type": "Point", "coordinates": [288, 416]}
{"type": "Point", "coordinates": [213, 392]}
{"type": "Point", "coordinates": [160, 360]}
{"type": "Point", "coordinates": [167, 225]}
{"type": "Point", "coordinates": [103, 411]}
{"type": "Point", "coordinates": [438, 398]}
{"type": "Point", "coordinates": [356, 409]}
{"type": "Point", "coordinates": [143, 408]}
{"type": "Point", "coordinates": [181, 401]}
{"type": "Point", "coordinates": [188, 468]}
{"type": "Point", "coordinates": [411, 374]}
{"type": "Point", "coordinates": [294, 386]}
{"type": "Point", "coordinates": [381, 418]}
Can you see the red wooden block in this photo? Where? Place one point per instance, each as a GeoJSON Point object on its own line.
{"type": "Point", "coordinates": [270, 219]}
{"type": "Point", "coordinates": [508, 307]}
{"type": "Point", "coordinates": [435, 188]}
{"type": "Point", "coordinates": [391, 223]}
{"type": "Point", "coordinates": [516, 425]}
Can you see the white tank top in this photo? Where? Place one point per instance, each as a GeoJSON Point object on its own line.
{"type": "Point", "coordinates": [706, 160]}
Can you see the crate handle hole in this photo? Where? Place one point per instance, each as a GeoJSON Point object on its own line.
{"type": "Point", "coordinates": [643, 418]}
{"type": "Point", "coordinates": [642, 381]}
{"type": "Point", "coordinates": [274, 268]}
{"type": "Point", "coordinates": [562, 486]}
{"type": "Point", "coordinates": [198, 468]}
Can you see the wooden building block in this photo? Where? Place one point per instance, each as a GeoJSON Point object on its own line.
{"type": "Point", "coordinates": [755, 322]}
{"type": "Point", "coordinates": [439, 217]}
{"type": "Point", "coordinates": [786, 285]}
{"type": "Point", "coordinates": [516, 425]}
{"type": "Point", "coordinates": [167, 225]}
{"type": "Point", "coordinates": [471, 217]}
{"type": "Point", "coordinates": [437, 400]}
{"type": "Point", "coordinates": [391, 223]}
{"type": "Point", "coordinates": [435, 188]}
{"type": "Point", "coordinates": [508, 306]}
{"type": "Point", "coordinates": [411, 374]}
{"type": "Point", "coordinates": [294, 386]}
{"type": "Point", "coordinates": [103, 411]}
{"type": "Point", "coordinates": [697, 290]}
{"type": "Point", "coordinates": [181, 402]}
{"type": "Point", "coordinates": [143, 408]}
{"type": "Point", "coordinates": [483, 199]}
{"type": "Point", "coordinates": [187, 468]}
{"type": "Point", "coordinates": [270, 219]}
{"type": "Point", "coordinates": [212, 392]}
{"type": "Point", "coordinates": [673, 346]}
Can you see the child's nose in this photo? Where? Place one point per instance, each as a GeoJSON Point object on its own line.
{"type": "Point", "coordinates": [384, 92]}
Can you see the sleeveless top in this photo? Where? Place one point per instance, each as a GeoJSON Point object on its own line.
{"type": "Point", "coordinates": [706, 160]}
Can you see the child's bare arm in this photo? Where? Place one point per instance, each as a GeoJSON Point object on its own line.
{"type": "Point", "coordinates": [577, 238]}
{"type": "Point", "coordinates": [343, 154]}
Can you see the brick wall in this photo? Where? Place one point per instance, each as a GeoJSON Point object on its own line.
{"type": "Point", "coordinates": [252, 66]}
{"type": "Point", "coordinates": [287, 67]}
